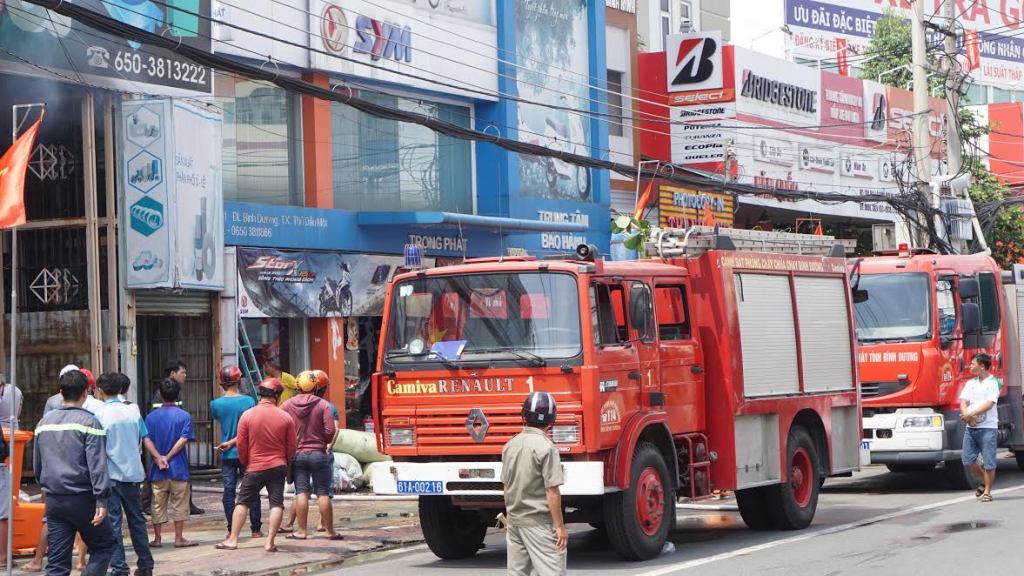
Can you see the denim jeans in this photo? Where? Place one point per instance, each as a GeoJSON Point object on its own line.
{"type": "Point", "coordinates": [126, 495]}
{"type": "Point", "coordinates": [67, 515]}
{"type": "Point", "coordinates": [233, 471]}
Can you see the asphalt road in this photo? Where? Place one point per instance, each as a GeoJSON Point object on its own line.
{"type": "Point", "coordinates": [902, 524]}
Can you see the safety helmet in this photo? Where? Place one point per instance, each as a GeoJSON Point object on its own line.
{"type": "Point", "coordinates": [322, 381]}
{"type": "Point", "coordinates": [230, 375]}
{"type": "Point", "coordinates": [539, 409]}
{"type": "Point", "coordinates": [89, 378]}
{"type": "Point", "coordinates": [307, 381]}
{"type": "Point", "coordinates": [271, 387]}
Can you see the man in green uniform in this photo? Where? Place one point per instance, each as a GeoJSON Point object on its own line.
{"type": "Point", "coordinates": [531, 471]}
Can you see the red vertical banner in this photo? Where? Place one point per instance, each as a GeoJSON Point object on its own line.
{"type": "Point", "coordinates": [973, 50]}
{"type": "Point", "coordinates": [841, 61]}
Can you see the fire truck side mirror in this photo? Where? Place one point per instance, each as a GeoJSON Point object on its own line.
{"type": "Point", "coordinates": [969, 288]}
{"type": "Point", "coordinates": [970, 323]}
{"type": "Point", "coordinates": [860, 296]}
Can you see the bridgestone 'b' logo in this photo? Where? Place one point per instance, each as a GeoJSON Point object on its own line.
{"type": "Point", "coordinates": [697, 53]}
{"type": "Point", "coordinates": [878, 114]}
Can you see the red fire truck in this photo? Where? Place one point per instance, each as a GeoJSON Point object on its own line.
{"type": "Point", "coordinates": [920, 318]}
{"type": "Point", "coordinates": [711, 367]}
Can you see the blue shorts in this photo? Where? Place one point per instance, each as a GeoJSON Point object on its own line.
{"type": "Point", "coordinates": [980, 441]}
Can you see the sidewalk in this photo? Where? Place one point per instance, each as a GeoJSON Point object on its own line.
{"type": "Point", "coordinates": [368, 524]}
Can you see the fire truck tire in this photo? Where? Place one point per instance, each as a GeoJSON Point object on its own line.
{"type": "Point", "coordinates": [792, 504]}
{"type": "Point", "coordinates": [638, 519]}
{"type": "Point", "coordinates": [451, 533]}
{"type": "Point", "coordinates": [960, 477]}
{"type": "Point", "coordinates": [753, 505]}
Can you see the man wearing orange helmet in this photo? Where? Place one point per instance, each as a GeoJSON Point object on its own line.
{"type": "Point", "coordinates": [227, 411]}
{"type": "Point", "coordinates": [266, 442]}
{"type": "Point", "coordinates": [56, 401]}
{"type": "Point", "coordinates": [314, 464]}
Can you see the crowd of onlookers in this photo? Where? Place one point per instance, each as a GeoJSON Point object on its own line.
{"type": "Point", "coordinates": [100, 464]}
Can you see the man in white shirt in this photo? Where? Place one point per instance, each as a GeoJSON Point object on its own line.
{"type": "Point", "coordinates": [978, 410]}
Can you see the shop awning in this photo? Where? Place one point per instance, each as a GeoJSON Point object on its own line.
{"type": "Point", "coordinates": [455, 220]}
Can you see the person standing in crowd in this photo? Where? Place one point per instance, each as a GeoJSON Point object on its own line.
{"type": "Point", "coordinates": [266, 443]}
{"type": "Point", "coordinates": [56, 401]}
{"type": "Point", "coordinates": [170, 430]}
{"type": "Point", "coordinates": [227, 411]}
{"type": "Point", "coordinates": [979, 411]}
{"type": "Point", "coordinates": [314, 464]}
{"type": "Point", "coordinates": [70, 464]}
{"type": "Point", "coordinates": [531, 471]}
{"type": "Point", "coordinates": [177, 371]}
{"type": "Point", "coordinates": [272, 369]}
{"type": "Point", "coordinates": [125, 431]}
{"type": "Point", "coordinates": [8, 395]}
{"type": "Point", "coordinates": [323, 383]}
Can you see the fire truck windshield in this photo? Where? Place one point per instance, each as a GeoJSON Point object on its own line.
{"type": "Point", "coordinates": [893, 307]}
{"type": "Point", "coordinates": [528, 317]}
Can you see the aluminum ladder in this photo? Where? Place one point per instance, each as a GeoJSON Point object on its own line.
{"type": "Point", "coordinates": [247, 360]}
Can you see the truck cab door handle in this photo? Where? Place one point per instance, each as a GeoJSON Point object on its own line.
{"type": "Point", "coordinates": [697, 369]}
{"type": "Point", "coordinates": [635, 375]}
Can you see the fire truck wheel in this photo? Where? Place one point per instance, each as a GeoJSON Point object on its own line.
{"type": "Point", "coordinates": [792, 504]}
{"type": "Point", "coordinates": [638, 519]}
{"type": "Point", "coordinates": [753, 505]}
{"type": "Point", "coordinates": [451, 532]}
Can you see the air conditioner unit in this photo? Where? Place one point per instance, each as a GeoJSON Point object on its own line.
{"type": "Point", "coordinates": [883, 237]}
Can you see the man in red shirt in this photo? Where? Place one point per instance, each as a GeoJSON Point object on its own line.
{"type": "Point", "coordinates": [266, 442]}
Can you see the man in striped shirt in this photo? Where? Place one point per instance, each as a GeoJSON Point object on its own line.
{"type": "Point", "coordinates": [70, 464]}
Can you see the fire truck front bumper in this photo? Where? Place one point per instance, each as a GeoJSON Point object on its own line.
{"type": "Point", "coordinates": [473, 478]}
{"type": "Point", "coordinates": [914, 436]}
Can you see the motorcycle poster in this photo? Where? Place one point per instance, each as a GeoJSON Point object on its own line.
{"type": "Point", "coordinates": [552, 55]}
{"type": "Point", "coordinates": [302, 284]}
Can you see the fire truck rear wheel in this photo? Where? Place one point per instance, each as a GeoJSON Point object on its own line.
{"type": "Point", "coordinates": [638, 519]}
{"type": "Point", "coordinates": [451, 532]}
{"type": "Point", "coordinates": [792, 504]}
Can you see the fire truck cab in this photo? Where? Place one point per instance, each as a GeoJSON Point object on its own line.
{"type": "Point", "coordinates": [709, 368]}
{"type": "Point", "coordinates": [921, 317]}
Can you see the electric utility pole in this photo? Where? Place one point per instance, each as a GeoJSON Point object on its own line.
{"type": "Point", "coordinates": [921, 141]}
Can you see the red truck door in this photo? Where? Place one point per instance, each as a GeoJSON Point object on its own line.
{"type": "Point", "coordinates": [616, 356]}
{"type": "Point", "coordinates": [681, 365]}
{"type": "Point", "coordinates": [644, 334]}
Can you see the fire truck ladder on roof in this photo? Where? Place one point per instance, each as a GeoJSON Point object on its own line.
{"type": "Point", "coordinates": [694, 241]}
{"type": "Point", "coordinates": [247, 359]}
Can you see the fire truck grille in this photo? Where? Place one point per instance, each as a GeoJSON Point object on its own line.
{"type": "Point", "coordinates": [448, 428]}
{"type": "Point", "coordinates": [873, 389]}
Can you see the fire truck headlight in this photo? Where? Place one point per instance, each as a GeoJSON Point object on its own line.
{"type": "Point", "coordinates": [565, 434]}
{"type": "Point", "coordinates": [401, 436]}
{"type": "Point", "coordinates": [934, 421]}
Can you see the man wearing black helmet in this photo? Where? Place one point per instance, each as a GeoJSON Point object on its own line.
{"type": "Point", "coordinates": [531, 471]}
{"type": "Point", "coordinates": [266, 443]}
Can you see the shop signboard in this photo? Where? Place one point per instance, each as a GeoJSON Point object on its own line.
{"type": "Point", "coordinates": [198, 196]}
{"type": "Point", "coordinates": [304, 284]}
{"type": "Point", "coordinates": [820, 27]}
{"type": "Point", "coordinates": [170, 171]}
{"type": "Point", "coordinates": [29, 32]}
{"type": "Point", "coordinates": [682, 207]}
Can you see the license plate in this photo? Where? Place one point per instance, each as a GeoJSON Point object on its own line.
{"type": "Point", "coordinates": [420, 487]}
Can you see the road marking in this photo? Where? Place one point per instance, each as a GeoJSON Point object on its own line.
{"type": "Point", "coordinates": [680, 566]}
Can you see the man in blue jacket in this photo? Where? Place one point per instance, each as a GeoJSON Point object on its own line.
{"type": "Point", "coordinates": [70, 463]}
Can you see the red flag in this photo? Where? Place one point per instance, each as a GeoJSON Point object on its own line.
{"type": "Point", "coordinates": [12, 178]}
{"type": "Point", "coordinates": [818, 231]}
{"type": "Point", "coordinates": [973, 50]}
{"type": "Point", "coordinates": [841, 61]}
{"type": "Point", "coordinates": [709, 216]}
{"type": "Point", "coordinates": [644, 200]}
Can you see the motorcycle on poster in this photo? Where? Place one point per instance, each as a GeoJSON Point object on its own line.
{"type": "Point", "coordinates": [551, 41]}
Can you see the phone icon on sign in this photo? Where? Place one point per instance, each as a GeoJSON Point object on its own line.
{"type": "Point", "coordinates": [98, 57]}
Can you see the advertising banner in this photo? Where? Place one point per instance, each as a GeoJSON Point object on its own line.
{"type": "Point", "coordinates": [770, 89]}
{"type": "Point", "coordinates": [146, 149]}
{"type": "Point", "coordinates": [294, 284]}
{"type": "Point", "coordinates": [387, 40]}
{"type": "Point", "coordinates": [198, 197]}
{"type": "Point", "coordinates": [682, 207]}
{"type": "Point", "coordinates": [996, 49]}
{"type": "Point", "coordinates": [30, 32]}
{"type": "Point", "coordinates": [551, 40]}
{"type": "Point", "coordinates": [699, 133]}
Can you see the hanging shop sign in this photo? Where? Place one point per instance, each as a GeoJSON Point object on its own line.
{"type": "Point", "coordinates": [297, 284]}
{"type": "Point", "coordinates": [52, 41]}
{"type": "Point", "coordinates": [170, 165]}
{"type": "Point", "coordinates": [682, 207]}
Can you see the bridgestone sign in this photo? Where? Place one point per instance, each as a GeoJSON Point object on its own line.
{"type": "Point", "coordinates": [779, 93]}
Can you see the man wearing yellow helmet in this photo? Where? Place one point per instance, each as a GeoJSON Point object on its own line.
{"type": "Point", "coordinates": [313, 465]}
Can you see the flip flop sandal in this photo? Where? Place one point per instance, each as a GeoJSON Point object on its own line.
{"type": "Point", "coordinates": [223, 546]}
{"type": "Point", "coordinates": [294, 537]}
{"type": "Point", "coordinates": [336, 537]}
{"type": "Point", "coordinates": [986, 497]}
{"type": "Point", "coordinates": [979, 491]}
{"type": "Point", "coordinates": [271, 550]}
{"type": "Point", "coordinates": [186, 544]}
{"type": "Point", "coordinates": [156, 544]}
